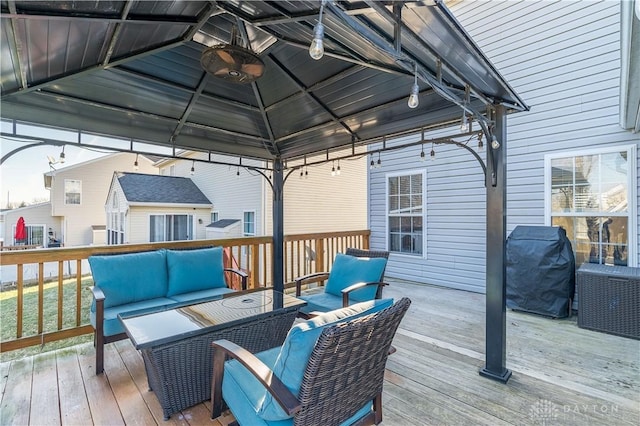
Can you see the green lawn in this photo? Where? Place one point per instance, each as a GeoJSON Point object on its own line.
{"type": "Point", "coordinates": [8, 315]}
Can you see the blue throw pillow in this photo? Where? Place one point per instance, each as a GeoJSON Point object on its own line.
{"type": "Point", "coordinates": [195, 270]}
{"type": "Point", "coordinates": [296, 350]}
{"type": "Point", "coordinates": [348, 270]}
{"type": "Point", "coordinates": [131, 277]}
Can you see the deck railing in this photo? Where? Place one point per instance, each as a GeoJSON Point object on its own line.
{"type": "Point", "coordinates": [37, 322]}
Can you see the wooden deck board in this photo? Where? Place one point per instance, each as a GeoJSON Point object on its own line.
{"type": "Point", "coordinates": [562, 375]}
{"type": "Point", "coordinates": [74, 406]}
{"type": "Point", "coordinates": [44, 395]}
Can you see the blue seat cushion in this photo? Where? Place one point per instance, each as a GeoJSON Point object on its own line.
{"type": "Point", "coordinates": [202, 295]}
{"type": "Point", "coordinates": [194, 270]}
{"type": "Point", "coordinates": [348, 270]}
{"type": "Point", "coordinates": [297, 347]}
{"type": "Point", "coordinates": [244, 394]}
{"type": "Point", "coordinates": [321, 302]}
{"type": "Point", "coordinates": [131, 277]}
{"type": "Point", "coordinates": [112, 324]}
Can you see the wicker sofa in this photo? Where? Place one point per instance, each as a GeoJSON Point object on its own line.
{"type": "Point", "coordinates": [151, 281]}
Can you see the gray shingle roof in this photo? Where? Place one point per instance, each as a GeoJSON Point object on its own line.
{"type": "Point", "coordinates": [143, 188]}
{"type": "Point", "coordinates": [222, 223]}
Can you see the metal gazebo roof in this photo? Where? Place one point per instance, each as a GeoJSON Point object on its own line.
{"type": "Point", "coordinates": [132, 69]}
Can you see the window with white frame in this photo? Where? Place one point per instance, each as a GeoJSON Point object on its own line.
{"type": "Point", "coordinates": [588, 194]}
{"type": "Point", "coordinates": [170, 227]}
{"type": "Point", "coordinates": [249, 223]}
{"type": "Point", "coordinates": [72, 191]}
{"type": "Point", "coordinates": [405, 213]}
{"type": "Point", "coordinates": [115, 221]}
{"type": "Point", "coordinates": [215, 216]}
{"type": "Point", "coordinates": [34, 235]}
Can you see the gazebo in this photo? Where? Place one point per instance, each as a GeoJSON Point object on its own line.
{"type": "Point", "coordinates": [273, 81]}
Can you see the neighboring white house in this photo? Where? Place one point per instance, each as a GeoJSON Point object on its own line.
{"type": "Point", "coordinates": [74, 215]}
{"type": "Point", "coordinates": [569, 161]}
{"type": "Point", "coordinates": [315, 201]}
{"type": "Point", "coordinates": [147, 208]}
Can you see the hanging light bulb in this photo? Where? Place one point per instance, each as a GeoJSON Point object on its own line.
{"type": "Point", "coordinates": [62, 156]}
{"type": "Point", "coordinates": [338, 169]}
{"type": "Point", "coordinates": [494, 142]}
{"type": "Point", "coordinates": [301, 173]}
{"type": "Point", "coordinates": [432, 154]}
{"type": "Point", "coordinates": [238, 171]}
{"type": "Point", "coordinates": [306, 172]}
{"type": "Point", "coordinates": [379, 163]}
{"type": "Point", "coordinates": [464, 124]}
{"type": "Point", "coordinates": [372, 165]}
{"type": "Point", "coordinates": [316, 50]}
{"type": "Point", "coordinates": [422, 156]}
{"type": "Point", "coordinates": [333, 169]}
{"type": "Point", "coordinates": [193, 168]}
{"type": "Point", "coordinates": [135, 163]}
{"type": "Point", "coordinates": [414, 101]}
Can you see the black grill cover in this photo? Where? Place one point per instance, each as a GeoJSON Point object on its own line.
{"type": "Point", "coordinates": [540, 270]}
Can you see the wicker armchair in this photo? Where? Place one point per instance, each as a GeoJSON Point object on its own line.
{"type": "Point", "coordinates": [357, 285]}
{"type": "Point", "coordinates": [340, 383]}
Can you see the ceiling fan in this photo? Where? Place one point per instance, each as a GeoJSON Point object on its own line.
{"type": "Point", "coordinates": [232, 62]}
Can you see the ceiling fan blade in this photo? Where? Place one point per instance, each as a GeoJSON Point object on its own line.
{"type": "Point", "coordinates": [222, 71]}
{"type": "Point", "coordinates": [253, 69]}
{"type": "Point", "coordinates": [226, 56]}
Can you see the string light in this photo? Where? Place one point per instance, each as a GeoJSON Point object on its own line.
{"type": "Point", "coordinates": [422, 156]}
{"type": "Point", "coordinates": [432, 154]}
{"type": "Point", "coordinates": [135, 163]}
{"type": "Point", "coordinates": [333, 169]}
{"type": "Point", "coordinates": [193, 168]}
{"type": "Point", "coordinates": [372, 165]}
{"type": "Point", "coordinates": [62, 156]}
{"type": "Point", "coordinates": [338, 170]}
{"type": "Point", "coordinates": [316, 50]}
{"type": "Point", "coordinates": [414, 101]}
{"type": "Point", "coordinates": [379, 163]}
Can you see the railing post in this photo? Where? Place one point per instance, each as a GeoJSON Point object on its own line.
{"type": "Point", "coordinates": [319, 255]}
{"type": "Point", "coordinates": [255, 266]}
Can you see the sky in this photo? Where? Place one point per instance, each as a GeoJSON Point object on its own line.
{"type": "Point", "coordinates": [21, 175]}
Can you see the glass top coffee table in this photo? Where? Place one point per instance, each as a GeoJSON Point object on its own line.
{"type": "Point", "coordinates": [176, 343]}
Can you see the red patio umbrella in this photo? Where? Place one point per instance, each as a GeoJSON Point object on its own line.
{"type": "Point", "coordinates": [21, 232]}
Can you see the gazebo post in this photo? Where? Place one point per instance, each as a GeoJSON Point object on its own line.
{"type": "Point", "coordinates": [496, 315]}
{"type": "Point", "coordinates": [278, 226]}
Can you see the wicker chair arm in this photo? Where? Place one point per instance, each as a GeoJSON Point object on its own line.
{"type": "Point", "coordinates": [357, 286]}
{"type": "Point", "coordinates": [243, 276]}
{"type": "Point", "coordinates": [98, 294]}
{"type": "Point", "coordinates": [276, 388]}
{"type": "Point", "coordinates": [317, 276]}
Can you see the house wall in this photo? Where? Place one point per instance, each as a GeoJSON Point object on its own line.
{"type": "Point", "coordinates": [317, 202]}
{"type": "Point", "coordinates": [37, 214]}
{"type": "Point", "coordinates": [137, 221]}
{"type": "Point", "coordinates": [320, 202]}
{"type": "Point", "coordinates": [95, 175]}
{"type": "Point", "coordinates": [563, 59]}
{"type": "Point", "coordinates": [230, 194]}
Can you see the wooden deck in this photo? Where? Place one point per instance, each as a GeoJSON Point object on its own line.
{"type": "Point", "coordinates": [562, 375]}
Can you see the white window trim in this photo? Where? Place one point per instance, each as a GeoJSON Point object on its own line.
{"type": "Point", "coordinates": [215, 212]}
{"type": "Point", "coordinates": [422, 172]}
{"type": "Point", "coordinates": [188, 213]}
{"type": "Point", "coordinates": [255, 223]}
{"type": "Point", "coordinates": [632, 183]}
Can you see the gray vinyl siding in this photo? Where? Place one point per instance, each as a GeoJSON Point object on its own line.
{"type": "Point", "coordinates": [563, 59]}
